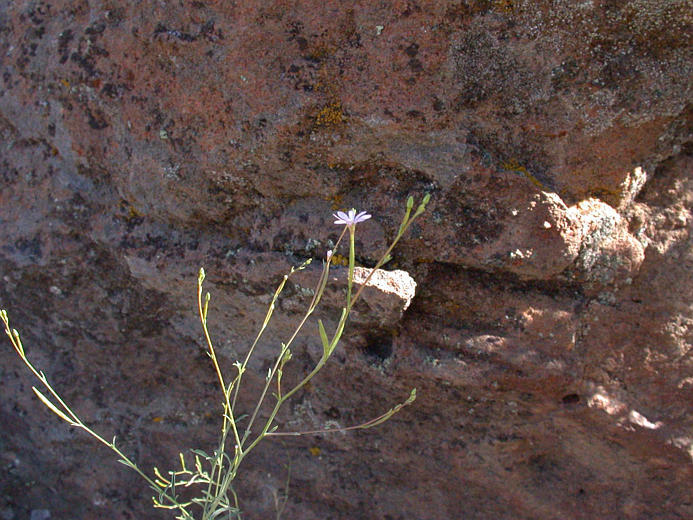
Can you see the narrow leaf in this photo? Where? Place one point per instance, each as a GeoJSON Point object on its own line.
{"type": "Point", "coordinates": [201, 454]}
{"type": "Point", "coordinates": [339, 331]}
{"type": "Point", "coordinates": [52, 407]}
{"type": "Point", "coordinates": [323, 338]}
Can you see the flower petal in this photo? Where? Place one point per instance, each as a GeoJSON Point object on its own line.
{"type": "Point", "coordinates": [342, 218]}
{"type": "Point", "coordinates": [361, 217]}
{"type": "Point", "coordinates": [351, 218]}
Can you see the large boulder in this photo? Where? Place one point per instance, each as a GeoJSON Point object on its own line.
{"type": "Point", "coordinates": [550, 331]}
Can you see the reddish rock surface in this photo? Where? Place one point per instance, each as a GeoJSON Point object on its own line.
{"type": "Point", "coordinates": [550, 334]}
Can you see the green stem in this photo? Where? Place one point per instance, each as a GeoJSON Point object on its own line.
{"type": "Point", "coordinates": [317, 295]}
{"type": "Point", "coordinates": [67, 415]}
{"type": "Point", "coordinates": [352, 261]}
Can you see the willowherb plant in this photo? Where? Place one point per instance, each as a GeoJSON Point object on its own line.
{"type": "Point", "coordinates": [209, 478]}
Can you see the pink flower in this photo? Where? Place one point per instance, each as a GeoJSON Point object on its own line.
{"type": "Point", "coordinates": [351, 218]}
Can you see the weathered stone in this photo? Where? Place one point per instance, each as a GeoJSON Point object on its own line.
{"type": "Point", "coordinates": [550, 334]}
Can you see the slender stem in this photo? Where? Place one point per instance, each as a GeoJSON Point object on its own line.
{"type": "Point", "coordinates": [352, 261]}
{"type": "Point", "coordinates": [361, 426]}
{"type": "Point", "coordinates": [279, 404]}
{"type": "Point", "coordinates": [220, 477]}
{"type": "Point", "coordinates": [317, 295]}
{"type": "Point", "coordinates": [281, 355]}
{"type": "Point", "coordinates": [368, 424]}
{"type": "Point", "coordinates": [74, 420]}
{"type": "Point", "coordinates": [349, 304]}
{"type": "Point", "coordinates": [406, 222]}
{"type": "Point", "coordinates": [241, 452]}
{"type": "Point", "coordinates": [268, 316]}
{"type": "Point", "coordinates": [203, 319]}
{"type": "Point", "coordinates": [228, 415]}
{"type": "Point", "coordinates": [403, 228]}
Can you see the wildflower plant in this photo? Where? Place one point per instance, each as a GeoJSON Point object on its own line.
{"type": "Point", "coordinates": [209, 477]}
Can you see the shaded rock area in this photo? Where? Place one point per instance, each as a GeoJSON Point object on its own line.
{"type": "Point", "coordinates": [550, 334]}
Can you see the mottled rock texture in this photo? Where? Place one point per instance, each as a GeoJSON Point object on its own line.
{"type": "Point", "coordinates": [550, 335]}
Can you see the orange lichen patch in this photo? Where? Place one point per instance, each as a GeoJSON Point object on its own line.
{"type": "Point", "coordinates": [132, 212]}
{"type": "Point", "coordinates": [330, 115]}
{"type": "Point", "coordinates": [334, 200]}
{"type": "Point", "coordinates": [314, 451]}
{"type": "Point", "coordinates": [320, 51]}
{"type": "Point", "coordinates": [340, 260]}
{"type": "Point", "coordinates": [514, 165]}
{"type": "Point", "coordinates": [503, 6]}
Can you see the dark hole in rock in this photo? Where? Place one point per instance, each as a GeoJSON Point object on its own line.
{"type": "Point", "coordinates": [571, 399]}
{"type": "Point", "coordinates": [333, 413]}
{"type": "Point", "coordinates": [378, 346]}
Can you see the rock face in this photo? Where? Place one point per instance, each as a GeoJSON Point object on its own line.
{"type": "Point", "coordinates": [550, 334]}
